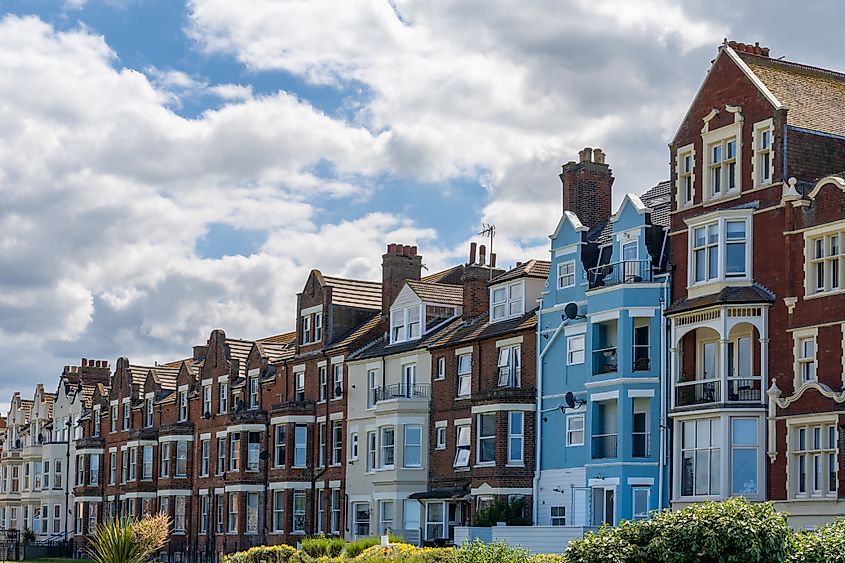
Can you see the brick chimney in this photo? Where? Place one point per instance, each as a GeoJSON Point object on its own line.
{"type": "Point", "coordinates": [587, 187]}
{"type": "Point", "coordinates": [398, 264]}
{"type": "Point", "coordinates": [476, 300]}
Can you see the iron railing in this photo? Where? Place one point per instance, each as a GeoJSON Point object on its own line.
{"type": "Point", "coordinates": [604, 446]}
{"type": "Point", "coordinates": [689, 393]}
{"type": "Point", "coordinates": [745, 390]}
{"type": "Point", "coordinates": [404, 391]}
{"type": "Point", "coordinates": [605, 360]}
{"type": "Point", "coordinates": [625, 271]}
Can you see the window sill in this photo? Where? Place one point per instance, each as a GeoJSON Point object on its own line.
{"type": "Point", "coordinates": [485, 464]}
{"type": "Point", "coordinates": [386, 468]}
{"type": "Point", "coordinates": [730, 195]}
{"type": "Point", "coordinates": [820, 294]}
{"type": "Point", "coordinates": [440, 448]}
{"type": "Point", "coordinates": [461, 468]}
{"type": "Point", "coordinates": [463, 397]}
{"type": "Point", "coordinates": [413, 468]}
{"type": "Point", "coordinates": [515, 465]}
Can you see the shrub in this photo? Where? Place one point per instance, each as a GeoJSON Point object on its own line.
{"type": "Point", "coordinates": [354, 548]}
{"type": "Point", "coordinates": [322, 545]}
{"type": "Point", "coordinates": [512, 513]}
{"type": "Point", "coordinates": [265, 554]}
{"type": "Point", "coordinates": [129, 541]}
{"type": "Point", "coordinates": [827, 544]}
{"type": "Point", "coordinates": [405, 553]}
{"type": "Point", "coordinates": [479, 552]}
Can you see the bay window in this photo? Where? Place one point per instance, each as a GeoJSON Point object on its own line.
{"type": "Point", "coordinates": [280, 446]}
{"type": "Point", "coordinates": [701, 442]}
{"type": "Point", "coordinates": [744, 456]}
{"type": "Point", "coordinates": [361, 519]}
{"type": "Point", "coordinates": [412, 453]}
{"type": "Point", "coordinates": [164, 470]}
{"type": "Point", "coordinates": [486, 446]}
{"type": "Point", "coordinates": [298, 513]}
{"type": "Point", "coordinates": [300, 439]}
{"type": "Point", "coordinates": [387, 447]}
{"type": "Point", "coordinates": [181, 458]}
{"type": "Point", "coordinates": [278, 511]}
{"type": "Point", "coordinates": [813, 459]}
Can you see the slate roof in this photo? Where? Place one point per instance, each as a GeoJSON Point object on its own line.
{"type": "Point", "coordinates": [658, 199]}
{"type": "Point", "coordinates": [481, 328]}
{"type": "Point", "coordinates": [450, 275]}
{"type": "Point", "coordinates": [239, 350]}
{"type": "Point", "coordinates": [438, 292]}
{"type": "Point", "coordinates": [359, 332]}
{"type": "Point", "coordinates": [354, 293]}
{"type": "Point", "coordinates": [530, 269]}
{"type": "Point", "coordinates": [814, 97]}
{"type": "Point", "coordinates": [754, 293]}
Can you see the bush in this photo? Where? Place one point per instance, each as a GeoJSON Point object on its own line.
{"type": "Point", "coordinates": [827, 544]}
{"type": "Point", "coordinates": [265, 554]}
{"type": "Point", "coordinates": [129, 541]}
{"type": "Point", "coordinates": [734, 530]}
{"type": "Point", "coordinates": [355, 548]}
{"type": "Point", "coordinates": [405, 553]}
{"type": "Point", "coordinates": [512, 513]}
{"type": "Point", "coordinates": [479, 552]}
{"type": "Point", "coordinates": [323, 546]}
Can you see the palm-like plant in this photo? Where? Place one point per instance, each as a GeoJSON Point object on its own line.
{"type": "Point", "coordinates": [129, 541]}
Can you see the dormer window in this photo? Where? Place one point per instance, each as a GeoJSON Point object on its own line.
{"type": "Point", "coordinates": [318, 327]}
{"type": "Point", "coordinates": [507, 301]}
{"type": "Point", "coordinates": [405, 324]}
{"type": "Point", "coordinates": [306, 329]}
{"type": "Point", "coordinates": [253, 392]}
{"type": "Point", "coordinates": [148, 412]}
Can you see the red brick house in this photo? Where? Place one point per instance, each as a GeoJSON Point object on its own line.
{"type": "Point", "coordinates": [756, 338]}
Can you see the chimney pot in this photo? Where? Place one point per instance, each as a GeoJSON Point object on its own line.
{"type": "Point", "coordinates": [598, 156]}
{"type": "Point", "coordinates": [472, 247]}
{"type": "Point", "coordinates": [482, 255]}
{"type": "Point", "coordinates": [492, 259]}
{"type": "Point", "coordinates": [84, 362]}
{"type": "Point", "coordinates": [406, 250]}
{"type": "Point", "coordinates": [413, 250]}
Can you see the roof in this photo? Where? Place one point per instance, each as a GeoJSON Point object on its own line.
{"type": "Point", "coordinates": [284, 338]}
{"type": "Point", "coordinates": [165, 376]}
{"type": "Point", "coordinates": [382, 346]}
{"type": "Point", "coordinates": [277, 348]}
{"type": "Point", "coordinates": [813, 96]}
{"type": "Point", "coordinates": [448, 275]}
{"type": "Point", "coordinates": [438, 292]}
{"type": "Point", "coordinates": [529, 269]}
{"type": "Point", "coordinates": [359, 332]}
{"type": "Point", "coordinates": [354, 293]}
{"type": "Point", "coordinates": [239, 350]}
{"type": "Point", "coordinates": [657, 198]}
{"type": "Point", "coordinates": [754, 293]}
{"type": "Point", "coordinates": [481, 328]}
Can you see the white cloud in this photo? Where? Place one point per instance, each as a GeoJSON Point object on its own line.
{"type": "Point", "coordinates": [232, 91]}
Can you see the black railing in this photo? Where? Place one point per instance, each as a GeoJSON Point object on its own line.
{"type": "Point", "coordinates": [640, 444]}
{"type": "Point", "coordinates": [744, 390]}
{"type": "Point", "coordinates": [404, 391]}
{"type": "Point", "coordinates": [615, 273]}
{"type": "Point", "coordinates": [688, 393]}
{"type": "Point", "coordinates": [605, 360]}
{"type": "Point", "coordinates": [604, 446]}
{"type": "Point", "coordinates": [508, 377]}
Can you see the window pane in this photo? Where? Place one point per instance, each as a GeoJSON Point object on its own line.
{"type": "Point", "coordinates": [744, 432]}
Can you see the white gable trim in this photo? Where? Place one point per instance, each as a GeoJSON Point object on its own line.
{"type": "Point", "coordinates": [835, 180]}
{"type": "Point", "coordinates": [635, 200]}
{"type": "Point", "coordinates": [753, 77]}
{"type": "Point", "coordinates": [573, 219]}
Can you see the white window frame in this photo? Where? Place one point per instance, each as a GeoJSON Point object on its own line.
{"type": "Point", "coordinates": [408, 445]}
{"type": "Point", "coordinates": [557, 515]}
{"type": "Point", "coordinates": [385, 447]}
{"type": "Point", "coordinates": [440, 437]}
{"type": "Point", "coordinates": [324, 383]}
{"type": "Point", "coordinates": [572, 433]}
{"type": "Point", "coordinates": [508, 305]}
{"type": "Point", "coordinates": [463, 444]}
{"type": "Point", "coordinates": [372, 388]}
{"type": "Point", "coordinates": [721, 137]}
{"type": "Point", "coordinates": [821, 457]}
{"type": "Point", "coordinates": [300, 447]}
{"type": "Point", "coordinates": [206, 399]}
{"type": "Point", "coordinates": [318, 327]}
{"type": "Point", "coordinates": [403, 322]}
{"type": "Point", "coordinates": [372, 451]}
{"type": "Point", "coordinates": [482, 438]}
{"type": "Point", "coordinates": [464, 379]}
{"type": "Point", "coordinates": [719, 223]}
{"type": "Point", "coordinates": [825, 262]}
{"type": "Point", "coordinates": [509, 364]}
{"type": "Point", "coordinates": [305, 337]}
{"type": "Point", "coordinates": [566, 274]}
{"type": "Point", "coordinates": [762, 152]}
{"type": "Point", "coordinates": [637, 490]}
{"type": "Point", "coordinates": [279, 445]}
{"type": "Point", "coordinates": [222, 397]}
{"type": "Point", "coordinates": [685, 175]}
{"type": "Point", "coordinates": [337, 442]}
{"type": "Point", "coordinates": [278, 511]}
{"type": "Point", "coordinates": [298, 512]}
{"type": "Point", "coordinates": [182, 397]}
{"type": "Point", "coordinates": [516, 438]}
{"type": "Point", "coordinates": [707, 449]}
{"type": "Point", "coordinates": [805, 367]}
{"type": "Point", "coordinates": [576, 350]}
{"type": "Point", "coordinates": [337, 381]}
{"type": "Point", "coordinates": [353, 446]}
{"type": "Point", "coordinates": [441, 368]}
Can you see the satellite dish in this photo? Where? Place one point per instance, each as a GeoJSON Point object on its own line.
{"type": "Point", "coordinates": [338, 391]}
{"type": "Point", "coordinates": [571, 310]}
{"type": "Point", "coordinates": [264, 456]}
{"type": "Point", "coordinates": [207, 415]}
{"type": "Point", "coordinates": [569, 398]}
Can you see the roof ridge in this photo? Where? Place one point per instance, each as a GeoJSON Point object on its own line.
{"type": "Point", "coordinates": [835, 74]}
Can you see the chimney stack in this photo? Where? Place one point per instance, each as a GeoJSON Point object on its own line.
{"type": "Point", "coordinates": [399, 264]}
{"type": "Point", "coordinates": [474, 281]}
{"type": "Point", "coordinates": [472, 247]}
{"type": "Point", "coordinates": [588, 187]}
{"type": "Point", "coordinates": [482, 255]}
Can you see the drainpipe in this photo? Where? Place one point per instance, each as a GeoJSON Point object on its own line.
{"type": "Point", "coordinates": [664, 382]}
{"type": "Point", "coordinates": [538, 413]}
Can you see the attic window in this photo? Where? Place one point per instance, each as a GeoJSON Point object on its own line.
{"type": "Point", "coordinates": [507, 301]}
{"type": "Point", "coordinates": [437, 314]}
{"type": "Point", "coordinates": [404, 324]}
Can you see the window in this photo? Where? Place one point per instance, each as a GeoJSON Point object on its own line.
{"type": "Point", "coordinates": [575, 350]}
{"type": "Point", "coordinates": [299, 392]}
{"type": "Point", "coordinates": [575, 430]}
{"type": "Point", "coordinates": [516, 438]}
{"type": "Point", "coordinates": [148, 412]}
{"type": "Point", "coordinates": [318, 327]}
{"type": "Point", "coordinates": [722, 167]}
{"type": "Point", "coordinates": [361, 519]}
{"type": "Point", "coordinates": [337, 381]}
{"type": "Point", "coordinates": [96, 417]}
{"type": "Point", "coordinates": [405, 324]}
{"type": "Point", "coordinates": [566, 274]}
{"type": "Point", "coordinates": [486, 450]}
{"type": "Point", "coordinates": [93, 469]}
{"type": "Point", "coordinates": [204, 457]}
{"type": "Point", "coordinates": [509, 364]}
{"type": "Point", "coordinates": [221, 456]}
{"type": "Point", "coordinates": [701, 442]}
{"type": "Point", "coordinates": [506, 301]}
{"type": "Point", "coordinates": [735, 244]}
{"type": "Point", "coordinates": [183, 405]}
{"type": "Point", "coordinates": [203, 514]}
{"type": "Point", "coordinates": [641, 344]}
{"type": "Point", "coordinates": [706, 253]}
{"type": "Point", "coordinates": [387, 451]}
{"type": "Point", "coordinates": [744, 456]}
{"type": "Point", "coordinates": [253, 450]}
{"type": "Point", "coordinates": [181, 458]}
{"type": "Point", "coordinates": [334, 520]}
{"type": "Point", "coordinates": [685, 166]}
{"type": "Point", "coordinates": [223, 397]}
{"type": "Point", "coordinates": [206, 399]}
{"type": "Point", "coordinates": [321, 445]}
{"type": "Point", "coordinates": [113, 419]}
{"type": "Point", "coordinates": [45, 515]}
{"type": "Point", "coordinates": [112, 468]}
{"type": "Point", "coordinates": [324, 384]}
{"type": "Point", "coordinates": [252, 513]}
{"type": "Point", "coordinates": [435, 515]}
{"type": "Point", "coordinates": [557, 516]}
{"type": "Point", "coordinates": [281, 446]}
{"type": "Point", "coordinates": [298, 513]}
{"type": "Point", "coordinates": [234, 450]}
{"type": "Point", "coordinates": [813, 460]}
{"type": "Point", "coordinates": [462, 446]}
{"type": "Point", "coordinates": [46, 484]}
{"type": "Point", "coordinates": [441, 438]}
{"type": "Point", "coordinates": [806, 359]}
{"type": "Point", "coordinates": [164, 469]}
{"type": "Point", "coordinates": [218, 507]}
{"type": "Point", "coordinates": [337, 442]}
{"type": "Point", "coordinates": [412, 453]}
{"type": "Point", "coordinates": [763, 153]}
{"type": "Point", "coordinates": [441, 368]}
{"type": "Point", "coordinates": [719, 250]}
{"type": "Point", "coordinates": [278, 511]}
{"type": "Point", "coordinates": [353, 446]}
{"type": "Point", "coordinates": [371, 451]}
{"type": "Point", "coordinates": [300, 437]}
{"type": "Point", "coordinates": [57, 518]}
{"type": "Point", "coordinates": [385, 516]}
{"type": "Point", "coordinates": [253, 392]}
{"type": "Point", "coordinates": [306, 329]}
{"type": "Point", "coordinates": [826, 266]}
{"type": "Point", "coordinates": [179, 514]}
{"type": "Point", "coordinates": [464, 375]}
{"type": "Point", "coordinates": [372, 388]}
{"type": "Point", "coordinates": [233, 513]}
{"type": "Point", "coordinates": [639, 497]}
{"type": "Point", "coordinates": [16, 478]}
{"type": "Point", "coordinates": [127, 416]}
{"type": "Point", "coordinates": [147, 463]}
{"type": "Point", "coordinates": [321, 512]}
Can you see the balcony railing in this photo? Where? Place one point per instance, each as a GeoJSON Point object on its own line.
{"type": "Point", "coordinates": [640, 444]}
{"type": "Point", "coordinates": [404, 391]}
{"type": "Point", "coordinates": [689, 393]}
{"type": "Point", "coordinates": [508, 377]}
{"type": "Point", "coordinates": [604, 446]}
{"type": "Point", "coordinates": [745, 390]}
{"type": "Point", "coordinates": [605, 360]}
{"type": "Point", "coordinates": [615, 273]}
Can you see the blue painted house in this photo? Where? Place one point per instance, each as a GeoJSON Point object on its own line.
{"type": "Point", "coordinates": [601, 448]}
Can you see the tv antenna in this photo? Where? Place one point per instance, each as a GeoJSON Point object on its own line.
{"type": "Point", "coordinates": [489, 231]}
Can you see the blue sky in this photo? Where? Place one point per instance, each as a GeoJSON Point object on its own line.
{"type": "Point", "coordinates": [170, 167]}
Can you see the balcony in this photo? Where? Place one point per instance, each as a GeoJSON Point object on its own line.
{"type": "Point", "coordinates": [640, 444]}
{"type": "Point", "coordinates": [689, 393]}
{"type": "Point", "coordinates": [623, 272]}
{"type": "Point", "coordinates": [745, 390]}
{"type": "Point", "coordinates": [604, 446]}
{"type": "Point", "coordinates": [605, 360]}
{"type": "Point", "coordinates": [403, 391]}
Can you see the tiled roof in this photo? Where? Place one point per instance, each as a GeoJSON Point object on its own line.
{"type": "Point", "coordinates": [284, 338]}
{"type": "Point", "coordinates": [529, 269]}
{"type": "Point", "coordinates": [438, 292]}
{"type": "Point", "coordinates": [814, 97]}
{"type": "Point", "coordinates": [165, 376]}
{"type": "Point", "coordinates": [382, 346]}
{"type": "Point", "coordinates": [358, 333]}
{"type": "Point", "coordinates": [659, 200]}
{"type": "Point", "coordinates": [139, 373]}
{"type": "Point", "coordinates": [239, 350]}
{"type": "Point", "coordinates": [448, 275]}
{"type": "Point", "coordinates": [355, 293]}
{"type": "Point", "coordinates": [481, 328]}
{"type": "Point", "coordinates": [754, 293]}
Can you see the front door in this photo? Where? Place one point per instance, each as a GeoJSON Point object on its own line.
{"type": "Point", "coordinates": [603, 506]}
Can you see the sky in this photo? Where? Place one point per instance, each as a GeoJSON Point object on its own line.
{"type": "Point", "coordinates": [168, 167]}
